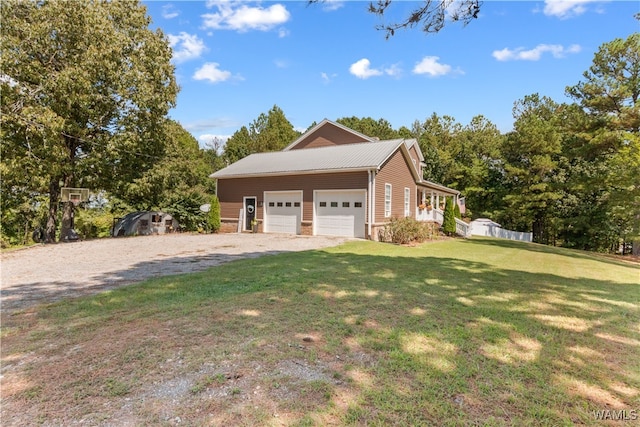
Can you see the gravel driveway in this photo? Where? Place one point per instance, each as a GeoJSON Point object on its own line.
{"type": "Point", "coordinates": [48, 273]}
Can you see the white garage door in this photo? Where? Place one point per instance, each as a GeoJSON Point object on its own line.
{"type": "Point", "coordinates": [283, 213]}
{"type": "Point", "coordinates": [340, 213]}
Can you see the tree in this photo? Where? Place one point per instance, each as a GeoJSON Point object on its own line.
{"type": "Point", "coordinates": [380, 128]}
{"type": "Point", "coordinates": [605, 149]}
{"type": "Point", "coordinates": [178, 182]}
{"type": "Point", "coordinates": [449, 221]}
{"type": "Point", "coordinates": [269, 132]}
{"type": "Point", "coordinates": [85, 89]}
{"type": "Point", "coordinates": [531, 154]}
{"type": "Point", "coordinates": [430, 15]}
{"type": "Point", "coordinates": [435, 138]}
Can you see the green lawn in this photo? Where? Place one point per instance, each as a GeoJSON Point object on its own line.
{"type": "Point", "coordinates": [456, 332]}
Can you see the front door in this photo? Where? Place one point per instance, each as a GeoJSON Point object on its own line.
{"type": "Point", "coordinates": [250, 212]}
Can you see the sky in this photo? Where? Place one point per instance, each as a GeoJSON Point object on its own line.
{"type": "Point", "coordinates": [237, 59]}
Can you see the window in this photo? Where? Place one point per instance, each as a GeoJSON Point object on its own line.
{"type": "Point", "coordinates": [288, 204]}
{"type": "Point", "coordinates": [345, 204]}
{"type": "Point", "coordinates": [296, 204]}
{"type": "Point", "coordinates": [334, 204]}
{"type": "Point", "coordinates": [387, 200]}
{"type": "Point", "coordinates": [357, 204]}
{"type": "Point", "coordinates": [279, 204]}
{"type": "Point", "coordinates": [407, 199]}
{"type": "Point", "coordinates": [271, 204]}
{"type": "Point", "coordinates": [323, 204]}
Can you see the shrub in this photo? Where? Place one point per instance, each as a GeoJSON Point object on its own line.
{"type": "Point", "coordinates": [449, 222]}
{"type": "Point", "coordinates": [92, 223]}
{"type": "Point", "coordinates": [214, 215]}
{"type": "Point", "coordinates": [407, 230]}
{"type": "Point", "coordinates": [456, 211]}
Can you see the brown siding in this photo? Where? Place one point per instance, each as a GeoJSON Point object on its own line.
{"type": "Point", "coordinates": [328, 135]}
{"type": "Point", "coordinates": [396, 171]}
{"type": "Point", "coordinates": [232, 191]}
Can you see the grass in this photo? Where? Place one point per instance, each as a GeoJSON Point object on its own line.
{"type": "Point", "coordinates": [458, 332]}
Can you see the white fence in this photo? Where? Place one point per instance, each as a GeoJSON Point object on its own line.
{"type": "Point", "coordinates": [491, 229]}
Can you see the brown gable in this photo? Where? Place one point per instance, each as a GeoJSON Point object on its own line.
{"type": "Point", "coordinates": [328, 133]}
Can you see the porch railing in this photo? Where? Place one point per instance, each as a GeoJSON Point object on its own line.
{"type": "Point", "coordinates": [462, 228]}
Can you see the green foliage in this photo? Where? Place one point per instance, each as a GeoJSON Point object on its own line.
{"type": "Point", "coordinates": [88, 85]}
{"type": "Point", "coordinates": [185, 207]}
{"type": "Point", "coordinates": [93, 223]}
{"type": "Point", "coordinates": [269, 132]}
{"type": "Point", "coordinates": [214, 214]}
{"type": "Point", "coordinates": [407, 230]}
{"type": "Point", "coordinates": [183, 169]}
{"type": "Point", "coordinates": [532, 174]}
{"type": "Point", "coordinates": [449, 222]}
{"type": "Point", "coordinates": [456, 211]}
{"type": "Point", "coordinates": [380, 128]}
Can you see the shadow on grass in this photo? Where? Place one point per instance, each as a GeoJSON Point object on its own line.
{"type": "Point", "coordinates": [426, 340]}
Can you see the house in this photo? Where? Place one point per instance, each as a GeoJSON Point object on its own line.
{"type": "Point", "coordinates": [332, 180]}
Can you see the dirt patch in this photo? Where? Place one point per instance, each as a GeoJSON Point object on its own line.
{"type": "Point", "coordinates": [47, 273]}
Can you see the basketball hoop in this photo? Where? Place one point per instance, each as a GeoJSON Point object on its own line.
{"type": "Point", "coordinates": [74, 195]}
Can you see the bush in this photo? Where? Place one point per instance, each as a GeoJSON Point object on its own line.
{"type": "Point", "coordinates": [456, 211]}
{"type": "Point", "coordinates": [407, 230]}
{"type": "Point", "coordinates": [214, 215]}
{"type": "Point", "coordinates": [449, 222]}
{"type": "Point", "coordinates": [92, 223]}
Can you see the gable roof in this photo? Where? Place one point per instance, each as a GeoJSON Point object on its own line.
{"type": "Point", "coordinates": [327, 122]}
{"type": "Point", "coordinates": [339, 158]}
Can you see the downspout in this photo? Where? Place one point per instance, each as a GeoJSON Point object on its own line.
{"type": "Point", "coordinates": [370, 201]}
{"type": "Point", "coordinates": [373, 201]}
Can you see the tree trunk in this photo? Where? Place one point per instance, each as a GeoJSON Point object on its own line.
{"type": "Point", "coordinates": [635, 248]}
{"type": "Point", "coordinates": [54, 197]}
{"type": "Point", "coordinates": [67, 233]}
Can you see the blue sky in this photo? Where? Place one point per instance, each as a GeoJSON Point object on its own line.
{"type": "Point", "coordinates": [237, 59]}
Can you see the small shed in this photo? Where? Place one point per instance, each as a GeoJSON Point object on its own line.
{"type": "Point", "coordinates": [144, 223]}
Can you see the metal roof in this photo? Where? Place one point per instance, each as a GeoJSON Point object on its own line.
{"type": "Point", "coordinates": [348, 157]}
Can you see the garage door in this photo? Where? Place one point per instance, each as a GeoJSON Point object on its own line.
{"type": "Point", "coordinates": [283, 213]}
{"type": "Point", "coordinates": [340, 213]}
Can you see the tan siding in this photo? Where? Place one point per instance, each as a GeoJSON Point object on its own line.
{"type": "Point", "coordinates": [328, 135]}
{"type": "Point", "coordinates": [232, 191]}
{"type": "Point", "coordinates": [397, 173]}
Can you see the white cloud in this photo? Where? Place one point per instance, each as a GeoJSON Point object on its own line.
{"type": "Point", "coordinates": [393, 71]}
{"type": "Point", "coordinates": [281, 63]}
{"type": "Point", "coordinates": [430, 65]}
{"type": "Point", "coordinates": [362, 70]}
{"type": "Point", "coordinates": [212, 73]}
{"type": "Point", "coordinates": [565, 8]}
{"type": "Point", "coordinates": [520, 54]}
{"type": "Point", "coordinates": [169, 11]}
{"type": "Point", "coordinates": [186, 46]}
{"type": "Point", "coordinates": [326, 78]}
{"type": "Point", "coordinates": [331, 5]}
{"type": "Point", "coordinates": [283, 32]}
{"type": "Point", "coordinates": [206, 125]}
{"type": "Point", "coordinates": [238, 16]}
